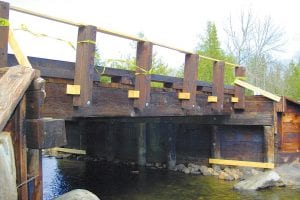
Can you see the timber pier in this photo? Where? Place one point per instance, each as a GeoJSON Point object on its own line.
{"type": "Point", "coordinates": [48, 103]}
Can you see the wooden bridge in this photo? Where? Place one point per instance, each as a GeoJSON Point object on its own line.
{"type": "Point", "coordinates": [74, 92]}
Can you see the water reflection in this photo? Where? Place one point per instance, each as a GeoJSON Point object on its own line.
{"type": "Point", "coordinates": [118, 182]}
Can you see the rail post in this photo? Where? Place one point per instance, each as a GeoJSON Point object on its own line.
{"type": "Point", "coordinates": [239, 91]}
{"type": "Point", "coordinates": [218, 85]}
{"type": "Point", "coordinates": [4, 28]}
{"type": "Point", "coordinates": [84, 66]}
{"type": "Point", "coordinates": [142, 77]}
{"type": "Point", "coordinates": [190, 80]}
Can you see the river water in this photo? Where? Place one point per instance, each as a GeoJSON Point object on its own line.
{"type": "Point", "coordinates": [118, 182]}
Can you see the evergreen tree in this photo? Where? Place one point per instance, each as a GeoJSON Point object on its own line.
{"type": "Point", "coordinates": [210, 46]}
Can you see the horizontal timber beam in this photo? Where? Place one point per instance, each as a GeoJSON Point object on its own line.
{"type": "Point", "coordinates": [241, 163]}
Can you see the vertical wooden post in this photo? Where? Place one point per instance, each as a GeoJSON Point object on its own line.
{"type": "Point", "coordinates": [269, 144]}
{"type": "Point", "coordinates": [142, 79]}
{"type": "Point", "coordinates": [238, 90]}
{"type": "Point", "coordinates": [215, 142]}
{"type": "Point", "coordinates": [218, 85]}
{"type": "Point", "coordinates": [35, 100]}
{"type": "Point", "coordinates": [84, 66]}
{"type": "Point", "coordinates": [190, 79]}
{"type": "Point", "coordinates": [4, 13]}
{"type": "Point", "coordinates": [19, 141]}
{"type": "Point", "coordinates": [110, 141]}
{"type": "Point", "coordinates": [171, 145]}
{"type": "Point", "coordinates": [141, 129]}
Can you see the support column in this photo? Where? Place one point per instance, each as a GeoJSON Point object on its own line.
{"type": "Point", "coordinates": [269, 144]}
{"type": "Point", "coordinates": [110, 141]}
{"type": "Point", "coordinates": [215, 142]}
{"type": "Point", "coordinates": [141, 129]}
{"type": "Point", "coordinates": [218, 85]}
{"type": "Point", "coordinates": [4, 14]}
{"type": "Point", "coordinates": [171, 145]}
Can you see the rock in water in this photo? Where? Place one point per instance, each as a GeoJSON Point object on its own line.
{"type": "Point", "coordinates": [260, 181]}
{"type": "Point", "coordinates": [8, 188]}
{"type": "Point", "coordinates": [289, 173]}
{"type": "Point", "coordinates": [78, 194]}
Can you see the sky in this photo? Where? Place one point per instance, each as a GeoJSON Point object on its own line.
{"type": "Point", "coordinates": [176, 23]}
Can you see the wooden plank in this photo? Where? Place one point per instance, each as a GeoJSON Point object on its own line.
{"type": "Point", "coordinates": [71, 151]}
{"type": "Point", "coordinates": [4, 13]}
{"type": "Point", "coordinates": [13, 85]}
{"type": "Point", "coordinates": [133, 94]}
{"type": "Point", "coordinates": [212, 99]}
{"type": "Point", "coordinates": [84, 66]}
{"type": "Point", "coordinates": [269, 144]}
{"type": "Point", "coordinates": [184, 95]}
{"type": "Point", "coordinates": [234, 99]}
{"type": "Point", "coordinates": [73, 89]}
{"type": "Point", "coordinates": [241, 163]}
{"type": "Point", "coordinates": [215, 142]}
{"type": "Point", "coordinates": [19, 142]}
{"type": "Point", "coordinates": [142, 148]}
{"type": "Point", "coordinates": [290, 118]}
{"type": "Point", "coordinates": [239, 91]}
{"type": "Point", "coordinates": [218, 85]}
{"type": "Point", "coordinates": [142, 80]}
{"type": "Point", "coordinates": [258, 90]}
{"type": "Point", "coordinates": [290, 127]}
{"type": "Point", "coordinates": [21, 57]}
{"type": "Point", "coordinates": [190, 80]}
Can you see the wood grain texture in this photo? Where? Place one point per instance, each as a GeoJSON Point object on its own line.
{"type": "Point", "coordinates": [239, 91]}
{"type": "Point", "coordinates": [84, 66]}
{"type": "Point", "coordinates": [4, 13]}
{"type": "Point", "coordinates": [142, 79]}
{"type": "Point", "coordinates": [218, 85]}
{"type": "Point", "coordinates": [269, 144]}
{"type": "Point", "coordinates": [190, 80]}
{"type": "Point", "coordinates": [13, 85]}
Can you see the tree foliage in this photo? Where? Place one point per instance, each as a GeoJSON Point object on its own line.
{"type": "Point", "coordinates": [209, 46]}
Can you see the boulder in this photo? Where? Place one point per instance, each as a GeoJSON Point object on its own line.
{"type": "Point", "coordinates": [289, 173]}
{"type": "Point", "coordinates": [259, 181]}
{"type": "Point", "coordinates": [204, 170]}
{"type": "Point", "coordinates": [78, 194]}
{"type": "Point", "coordinates": [179, 167]}
{"type": "Point", "coordinates": [186, 170]}
{"type": "Point", "coordinates": [8, 188]}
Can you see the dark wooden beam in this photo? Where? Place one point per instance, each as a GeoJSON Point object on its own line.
{"type": "Point", "coordinates": [215, 142]}
{"type": "Point", "coordinates": [141, 131]}
{"type": "Point", "coordinates": [269, 144]}
{"type": "Point", "coordinates": [190, 80]}
{"type": "Point", "coordinates": [218, 85]}
{"type": "Point", "coordinates": [142, 80]}
{"type": "Point", "coordinates": [84, 67]}
{"type": "Point", "coordinates": [4, 14]}
{"type": "Point", "coordinates": [238, 90]}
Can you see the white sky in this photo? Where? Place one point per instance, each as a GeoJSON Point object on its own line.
{"type": "Point", "coordinates": [177, 23]}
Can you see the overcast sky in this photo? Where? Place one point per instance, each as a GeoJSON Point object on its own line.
{"type": "Point", "coordinates": [174, 22]}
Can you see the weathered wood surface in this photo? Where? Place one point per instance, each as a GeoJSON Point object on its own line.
{"type": "Point", "coordinates": [65, 70]}
{"type": "Point", "coordinates": [269, 144]}
{"type": "Point", "coordinates": [190, 80]}
{"type": "Point", "coordinates": [239, 91]}
{"type": "Point", "coordinates": [4, 13]}
{"type": "Point", "coordinates": [218, 85]}
{"type": "Point", "coordinates": [84, 67]}
{"type": "Point", "coordinates": [241, 163]}
{"type": "Point", "coordinates": [13, 85]}
{"type": "Point", "coordinates": [142, 81]}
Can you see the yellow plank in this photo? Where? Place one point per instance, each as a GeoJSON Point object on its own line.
{"type": "Point", "coordinates": [73, 89]}
{"type": "Point", "coordinates": [241, 163]}
{"type": "Point", "coordinates": [184, 95]}
{"type": "Point", "coordinates": [212, 99]}
{"type": "Point", "coordinates": [133, 94]}
{"type": "Point", "coordinates": [258, 90]}
{"type": "Point", "coordinates": [234, 99]}
{"type": "Point", "coordinates": [20, 56]}
{"type": "Point", "coordinates": [72, 151]}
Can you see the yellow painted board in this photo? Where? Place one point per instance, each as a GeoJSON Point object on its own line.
{"type": "Point", "coordinates": [73, 89]}
{"type": "Point", "coordinates": [258, 90]}
{"type": "Point", "coordinates": [72, 151]}
{"type": "Point", "coordinates": [234, 99]}
{"type": "Point", "coordinates": [241, 163]}
{"type": "Point", "coordinates": [184, 95]}
{"type": "Point", "coordinates": [133, 94]}
{"type": "Point", "coordinates": [212, 99]}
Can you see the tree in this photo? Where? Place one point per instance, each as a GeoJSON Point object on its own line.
{"type": "Point", "coordinates": [252, 42]}
{"type": "Point", "coordinates": [209, 46]}
{"type": "Point", "coordinates": [292, 80]}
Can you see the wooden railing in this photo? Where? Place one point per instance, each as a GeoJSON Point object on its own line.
{"type": "Point", "coordinates": [83, 75]}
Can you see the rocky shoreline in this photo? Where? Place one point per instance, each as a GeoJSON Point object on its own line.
{"type": "Point", "coordinates": [247, 178]}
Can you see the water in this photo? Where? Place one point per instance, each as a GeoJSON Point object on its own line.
{"type": "Point", "coordinates": [119, 183]}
